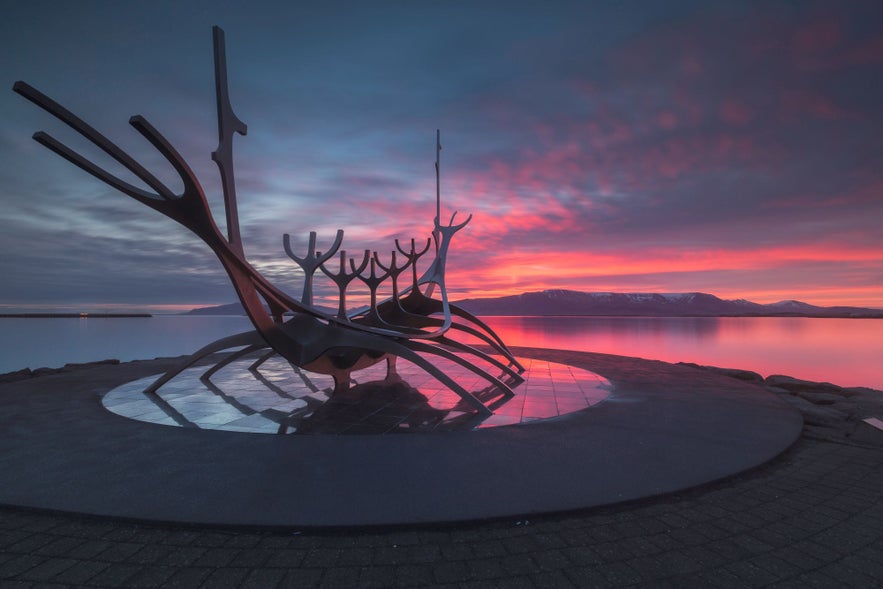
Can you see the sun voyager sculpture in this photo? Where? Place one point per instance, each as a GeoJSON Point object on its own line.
{"type": "Point", "coordinates": [413, 323]}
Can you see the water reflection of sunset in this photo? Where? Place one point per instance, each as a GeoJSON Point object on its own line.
{"type": "Point", "coordinates": [842, 351]}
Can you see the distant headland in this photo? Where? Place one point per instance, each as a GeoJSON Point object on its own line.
{"type": "Point", "coordinates": [612, 304]}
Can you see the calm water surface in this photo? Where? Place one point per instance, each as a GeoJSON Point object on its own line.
{"type": "Point", "coordinates": [844, 351]}
{"type": "Point", "coordinates": [848, 352]}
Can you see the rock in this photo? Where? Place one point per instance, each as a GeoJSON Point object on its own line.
{"type": "Point", "coordinates": [820, 398]}
{"type": "Point", "coordinates": [78, 366]}
{"type": "Point", "coordinates": [869, 432]}
{"type": "Point", "coordinates": [736, 373]}
{"type": "Point", "coordinates": [745, 375]}
{"type": "Point", "coordinates": [70, 367]}
{"type": "Point", "coordinates": [16, 375]}
{"type": "Point", "coordinates": [815, 415]}
{"type": "Point", "coordinates": [795, 385]}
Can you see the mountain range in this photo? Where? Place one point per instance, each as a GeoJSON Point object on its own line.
{"type": "Point", "coordinates": [569, 302]}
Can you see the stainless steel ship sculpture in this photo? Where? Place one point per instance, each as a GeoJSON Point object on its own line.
{"type": "Point", "coordinates": [412, 324]}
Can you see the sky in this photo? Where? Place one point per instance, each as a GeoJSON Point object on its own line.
{"type": "Point", "coordinates": [734, 148]}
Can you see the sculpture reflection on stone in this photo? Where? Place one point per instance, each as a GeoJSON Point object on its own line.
{"type": "Point", "coordinates": [412, 324]}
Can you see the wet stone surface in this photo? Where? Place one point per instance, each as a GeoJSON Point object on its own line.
{"type": "Point", "coordinates": [277, 398]}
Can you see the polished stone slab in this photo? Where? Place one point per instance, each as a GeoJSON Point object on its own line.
{"type": "Point", "coordinates": [278, 398]}
{"type": "Point", "coordinates": [664, 428]}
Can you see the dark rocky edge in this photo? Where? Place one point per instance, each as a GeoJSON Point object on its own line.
{"type": "Point", "coordinates": [830, 412]}
{"type": "Point", "coordinates": [26, 373]}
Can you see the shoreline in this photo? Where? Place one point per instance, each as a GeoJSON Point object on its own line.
{"type": "Point", "coordinates": [851, 415]}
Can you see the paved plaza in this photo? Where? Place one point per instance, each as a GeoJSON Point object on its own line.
{"type": "Point", "coordinates": [811, 517]}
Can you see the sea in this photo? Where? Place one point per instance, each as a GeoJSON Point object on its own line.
{"type": "Point", "coordinates": [847, 352]}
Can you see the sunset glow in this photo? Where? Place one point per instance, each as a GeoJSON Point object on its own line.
{"type": "Point", "coordinates": [670, 147]}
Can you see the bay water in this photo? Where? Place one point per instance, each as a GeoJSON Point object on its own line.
{"type": "Point", "coordinates": [847, 352]}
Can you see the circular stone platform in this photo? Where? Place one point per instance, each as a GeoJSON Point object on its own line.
{"type": "Point", "coordinates": [277, 398]}
{"type": "Point", "coordinates": [663, 428]}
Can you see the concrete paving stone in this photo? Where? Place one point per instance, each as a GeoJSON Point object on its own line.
{"type": "Point", "coordinates": [856, 576]}
{"type": "Point", "coordinates": [231, 578]}
{"type": "Point", "coordinates": [524, 582]}
{"type": "Point", "coordinates": [798, 558]}
{"type": "Point", "coordinates": [31, 543]}
{"type": "Point", "coordinates": [286, 558]}
{"type": "Point", "coordinates": [752, 544]}
{"type": "Point", "coordinates": [115, 575]}
{"type": "Point", "coordinates": [691, 536]}
{"type": "Point", "coordinates": [640, 546]}
{"type": "Point", "coordinates": [152, 553]}
{"type": "Point", "coordinates": [187, 577]}
{"type": "Point", "coordinates": [271, 577]}
{"type": "Point", "coordinates": [355, 556]}
{"type": "Point", "coordinates": [450, 572]}
{"type": "Point", "coordinates": [582, 576]}
{"type": "Point", "coordinates": [182, 537]}
{"type": "Point", "coordinates": [60, 546]}
{"type": "Point", "coordinates": [771, 537]}
{"type": "Point", "coordinates": [391, 555]}
{"type": "Point", "coordinates": [602, 533]}
{"type": "Point", "coordinates": [519, 564]}
{"type": "Point", "coordinates": [780, 567]}
{"type": "Point", "coordinates": [872, 552]}
{"type": "Point", "coordinates": [619, 573]}
{"type": "Point", "coordinates": [520, 544]}
{"type": "Point", "coordinates": [251, 558]}
{"type": "Point", "coordinates": [825, 552]}
{"type": "Point", "coordinates": [211, 539]}
{"type": "Point", "coordinates": [860, 562]}
{"type": "Point", "coordinates": [217, 557]}
{"type": "Point", "coordinates": [376, 577]}
{"type": "Point", "coordinates": [666, 542]}
{"type": "Point", "coordinates": [649, 567]}
{"type": "Point", "coordinates": [412, 575]}
{"type": "Point", "coordinates": [582, 556]}
{"type": "Point", "coordinates": [611, 552]}
{"type": "Point", "coordinates": [724, 579]}
{"type": "Point", "coordinates": [275, 542]}
{"type": "Point", "coordinates": [729, 549]}
{"type": "Point", "coordinates": [20, 565]}
{"type": "Point", "coordinates": [485, 568]}
{"type": "Point", "coordinates": [154, 576]}
{"type": "Point", "coordinates": [679, 563]}
{"type": "Point", "coordinates": [488, 549]}
{"type": "Point", "coordinates": [47, 569]}
{"type": "Point", "coordinates": [89, 549]}
{"type": "Point", "coordinates": [752, 574]}
{"type": "Point", "coordinates": [80, 573]}
{"type": "Point", "coordinates": [458, 551]}
{"type": "Point", "coordinates": [242, 541]}
{"type": "Point", "coordinates": [551, 560]}
{"type": "Point", "coordinates": [819, 580]}
{"type": "Point", "coordinates": [337, 577]}
{"type": "Point", "coordinates": [418, 553]}
{"type": "Point", "coordinates": [694, 514]}
{"type": "Point", "coordinates": [552, 580]}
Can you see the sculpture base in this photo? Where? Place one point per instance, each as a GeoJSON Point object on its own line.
{"type": "Point", "coordinates": [664, 428]}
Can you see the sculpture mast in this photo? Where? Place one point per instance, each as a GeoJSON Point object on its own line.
{"type": "Point", "coordinates": [228, 124]}
{"type": "Point", "coordinates": [437, 180]}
